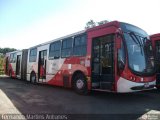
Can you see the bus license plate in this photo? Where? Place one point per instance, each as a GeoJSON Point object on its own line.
{"type": "Point", "coordinates": [146, 85]}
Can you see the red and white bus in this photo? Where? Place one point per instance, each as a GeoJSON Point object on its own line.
{"type": "Point", "coordinates": [156, 47]}
{"type": "Point", "coordinates": [110, 57]}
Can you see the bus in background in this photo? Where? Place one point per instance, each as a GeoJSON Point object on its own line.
{"type": "Point", "coordinates": [14, 67]}
{"type": "Point", "coordinates": [156, 47]}
{"type": "Point", "coordinates": [115, 57]}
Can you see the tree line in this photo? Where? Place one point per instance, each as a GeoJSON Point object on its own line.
{"type": "Point", "coordinates": [91, 23]}
{"type": "Point", "coordinates": [5, 50]}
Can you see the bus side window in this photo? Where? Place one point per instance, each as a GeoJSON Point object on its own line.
{"type": "Point", "coordinates": [13, 58]}
{"type": "Point", "coordinates": [67, 47]}
{"type": "Point", "coordinates": [80, 48]}
{"type": "Point", "coordinates": [33, 55]}
{"type": "Point", "coordinates": [54, 50]}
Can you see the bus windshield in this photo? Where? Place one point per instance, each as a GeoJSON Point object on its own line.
{"type": "Point", "coordinates": [139, 50]}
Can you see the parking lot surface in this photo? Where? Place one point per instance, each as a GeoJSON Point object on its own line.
{"type": "Point", "coordinates": [26, 98]}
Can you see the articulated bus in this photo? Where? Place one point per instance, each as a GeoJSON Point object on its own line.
{"type": "Point", "coordinates": [156, 47]}
{"type": "Point", "coordinates": [115, 57]}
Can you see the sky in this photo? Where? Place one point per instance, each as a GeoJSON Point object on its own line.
{"type": "Point", "coordinates": [26, 23]}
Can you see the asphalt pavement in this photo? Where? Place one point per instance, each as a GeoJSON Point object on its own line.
{"type": "Point", "coordinates": [21, 97]}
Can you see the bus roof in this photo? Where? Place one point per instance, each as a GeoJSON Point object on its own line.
{"type": "Point", "coordinates": [14, 51]}
{"type": "Point", "coordinates": [112, 23]}
{"type": "Point", "coordinates": [155, 37]}
{"type": "Point", "coordinates": [61, 38]}
{"type": "Point", "coordinates": [8, 53]}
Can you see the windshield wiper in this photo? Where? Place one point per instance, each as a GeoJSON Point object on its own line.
{"type": "Point", "coordinates": [136, 40]}
{"type": "Point", "coordinates": [133, 38]}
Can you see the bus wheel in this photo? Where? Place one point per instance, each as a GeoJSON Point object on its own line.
{"type": "Point", "coordinates": [80, 84]}
{"type": "Point", "coordinates": [33, 78]}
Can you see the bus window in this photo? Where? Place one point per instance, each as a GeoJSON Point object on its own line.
{"type": "Point", "coordinates": [67, 47]}
{"type": "Point", "coordinates": [13, 58]}
{"type": "Point", "coordinates": [55, 49]}
{"type": "Point", "coordinates": [33, 55]}
{"type": "Point", "coordinates": [79, 46]}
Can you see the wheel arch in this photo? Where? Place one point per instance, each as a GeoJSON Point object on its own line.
{"type": "Point", "coordinates": [33, 72]}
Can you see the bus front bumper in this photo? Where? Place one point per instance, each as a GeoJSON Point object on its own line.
{"type": "Point", "coordinates": [124, 86]}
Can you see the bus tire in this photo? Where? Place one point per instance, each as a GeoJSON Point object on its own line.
{"type": "Point", "coordinates": [80, 84]}
{"type": "Point", "coordinates": [33, 78]}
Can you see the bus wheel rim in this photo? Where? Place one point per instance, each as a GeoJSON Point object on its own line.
{"type": "Point", "coordinates": [79, 84]}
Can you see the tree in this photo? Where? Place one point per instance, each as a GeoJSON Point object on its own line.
{"type": "Point", "coordinates": [102, 22]}
{"type": "Point", "coordinates": [90, 24]}
{"type": "Point", "coordinates": [5, 50]}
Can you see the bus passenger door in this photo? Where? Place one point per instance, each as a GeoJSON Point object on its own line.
{"type": "Point", "coordinates": [18, 65]}
{"type": "Point", "coordinates": [103, 62]}
{"type": "Point", "coordinates": [42, 66]}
